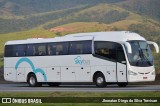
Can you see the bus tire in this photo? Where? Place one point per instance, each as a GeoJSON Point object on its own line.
{"type": "Point", "coordinates": [32, 81]}
{"type": "Point", "coordinates": [54, 84]}
{"type": "Point", "coordinates": [123, 84]}
{"type": "Point", "coordinates": [100, 80]}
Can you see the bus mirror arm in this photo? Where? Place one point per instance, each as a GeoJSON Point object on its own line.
{"type": "Point", "coordinates": [128, 46]}
{"type": "Point", "coordinates": [129, 49]}
{"type": "Point", "coordinates": [155, 45]}
{"type": "Point", "coordinates": [93, 52]}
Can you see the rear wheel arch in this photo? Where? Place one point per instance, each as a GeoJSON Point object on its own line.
{"type": "Point", "coordinates": [32, 80]}
{"type": "Point", "coordinates": [94, 75]}
{"type": "Point", "coordinates": [29, 75]}
{"type": "Point", "coordinates": [99, 79]}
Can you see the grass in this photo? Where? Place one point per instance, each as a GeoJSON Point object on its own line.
{"type": "Point", "coordinates": [86, 104]}
{"type": "Point", "coordinates": [83, 94]}
{"type": "Point", "coordinates": [124, 24]}
{"type": "Point", "coordinates": [34, 33]}
{"type": "Point", "coordinates": [78, 27]}
{"type": "Point", "coordinates": [1, 62]}
{"type": "Point", "coordinates": [80, 94]}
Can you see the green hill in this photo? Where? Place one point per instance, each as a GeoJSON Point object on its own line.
{"type": "Point", "coordinates": [32, 21]}
{"type": "Point", "coordinates": [112, 17]}
{"type": "Point", "coordinates": [28, 7]}
{"type": "Point", "coordinates": [147, 8]}
{"type": "Point", "coordinates": [20, 15]}
{"type": "Point", "coordinates": [102, 13]}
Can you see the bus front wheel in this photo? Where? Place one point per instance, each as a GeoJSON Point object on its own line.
{"type": "Point", "coordinates": [32, 81]}
{"type": "Point", "coordinates": [100, 80]}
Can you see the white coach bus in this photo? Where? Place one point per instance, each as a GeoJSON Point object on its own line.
{"type": "Point", "coordinates": [100, 57]}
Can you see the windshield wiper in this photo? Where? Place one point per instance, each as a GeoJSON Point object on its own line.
{"type": "Point", "coordinates": [143, 57]}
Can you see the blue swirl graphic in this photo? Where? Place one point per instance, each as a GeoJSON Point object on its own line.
{"type": "Point", "coordinates": [78, 60]}
{"type": "Point", "coordinates": [35, 70]}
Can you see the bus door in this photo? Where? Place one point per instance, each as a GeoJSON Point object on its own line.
{"type": "Point", "coordinates": [121, 65]}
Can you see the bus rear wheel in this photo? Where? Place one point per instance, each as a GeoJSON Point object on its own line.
{"type": "Point", "coordinates": [100, 80]}
{"type": "Point", "coordinates": [32, 81]}
{"type": "Point", "coordinates": [54, 84]}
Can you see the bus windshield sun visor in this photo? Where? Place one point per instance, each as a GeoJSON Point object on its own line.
{"type": "Point", "coordinates": [155, 45]}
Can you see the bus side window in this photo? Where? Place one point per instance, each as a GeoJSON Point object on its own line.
{"type": "Point", "coordinates": [21, 50]}
{"type": "Point", "coordinates": [42, 50]}
{"type": "Point", "coordinates": [61, 48]}
{"type": "Point", "coordinates": [8, 51]}
{"type": "Point", "coordinates": [106, 49]}
{"type": "Point", "coordinates": [18, 50]}
{"type": "Point", "coordinates": [15, 50]}
{"type": "Point", "coordinates": [80, 47]}
{"type": "Point", "coordinates": [30, 50]}
{"type": "Point", "coordinates": [87, 47]}
{"type": "Point", "coordinates": [57, 48]}
{"type": "Point", "coordinates": [49, 50]}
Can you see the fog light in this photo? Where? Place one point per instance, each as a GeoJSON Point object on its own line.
{"type": "Point", "coordinates": [153, 73]}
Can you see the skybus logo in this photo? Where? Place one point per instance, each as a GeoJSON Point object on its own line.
{"type": "Point", "coordinates": [81, 61]}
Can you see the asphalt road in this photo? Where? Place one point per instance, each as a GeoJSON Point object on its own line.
{"type": "Point", "coordinates": [20, 87]}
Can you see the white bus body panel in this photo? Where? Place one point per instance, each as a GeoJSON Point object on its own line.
{"type": "Point", "coordinates": [20, 75]}
{"type": "Point", "coordinates": [10, 74]}
{"type": "Point", "coordinates": [111, 74]}
{"type": "Point", "coordinates": [67, 72]}
{"type": "Point", "coordinates": [54, 74]}
{"type": "Point", "coordinates": [43, 66]}
{"type": "Point", "coordinates": [143, 74]}
{"type": "Point", "coordinates": [83, 74]}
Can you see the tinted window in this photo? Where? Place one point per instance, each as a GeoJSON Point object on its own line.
{"type": "Point", "coordinates": [120, 54]}
{"type": "Point", "coordinates": [59, 48]}
{"type": "Point", "coordinates": [8, 51]}
{"type": "Point", "coordinates": [19, 50]}
{"type": "Point", "coordinates": [40, 49]}
{"type": "Point", "coordinates": [36, 50]}
{"type": "Point", "coordinates": [106, 49]}
{"type": "Point", "coordinates": [30, 50]}
{"type": "Point", "coordinates": [80, 47]}
{"type": "Point", "coordinates": [15, 50]}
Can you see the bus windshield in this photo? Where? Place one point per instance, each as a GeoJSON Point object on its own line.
{"type": "Point", "coordinates": [141, 54]}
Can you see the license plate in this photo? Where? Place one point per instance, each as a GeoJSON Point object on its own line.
{"type": "Point", "coordinates": [144, 77]}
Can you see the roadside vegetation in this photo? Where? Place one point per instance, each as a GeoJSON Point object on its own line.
{"type": "Point", "coordinates": [84, 94]}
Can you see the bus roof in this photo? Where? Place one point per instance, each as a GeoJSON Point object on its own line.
{"type": "Point", "coordinates": [114, 36]}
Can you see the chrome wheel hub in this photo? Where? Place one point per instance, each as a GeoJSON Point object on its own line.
{"type": "Point", "coordinates": [32, 80]}
{"type": "Point", "coordinates": [99, 80]}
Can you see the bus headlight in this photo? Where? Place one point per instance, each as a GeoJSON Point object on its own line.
{"type": "Point", "coordinates": [131, 73]}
